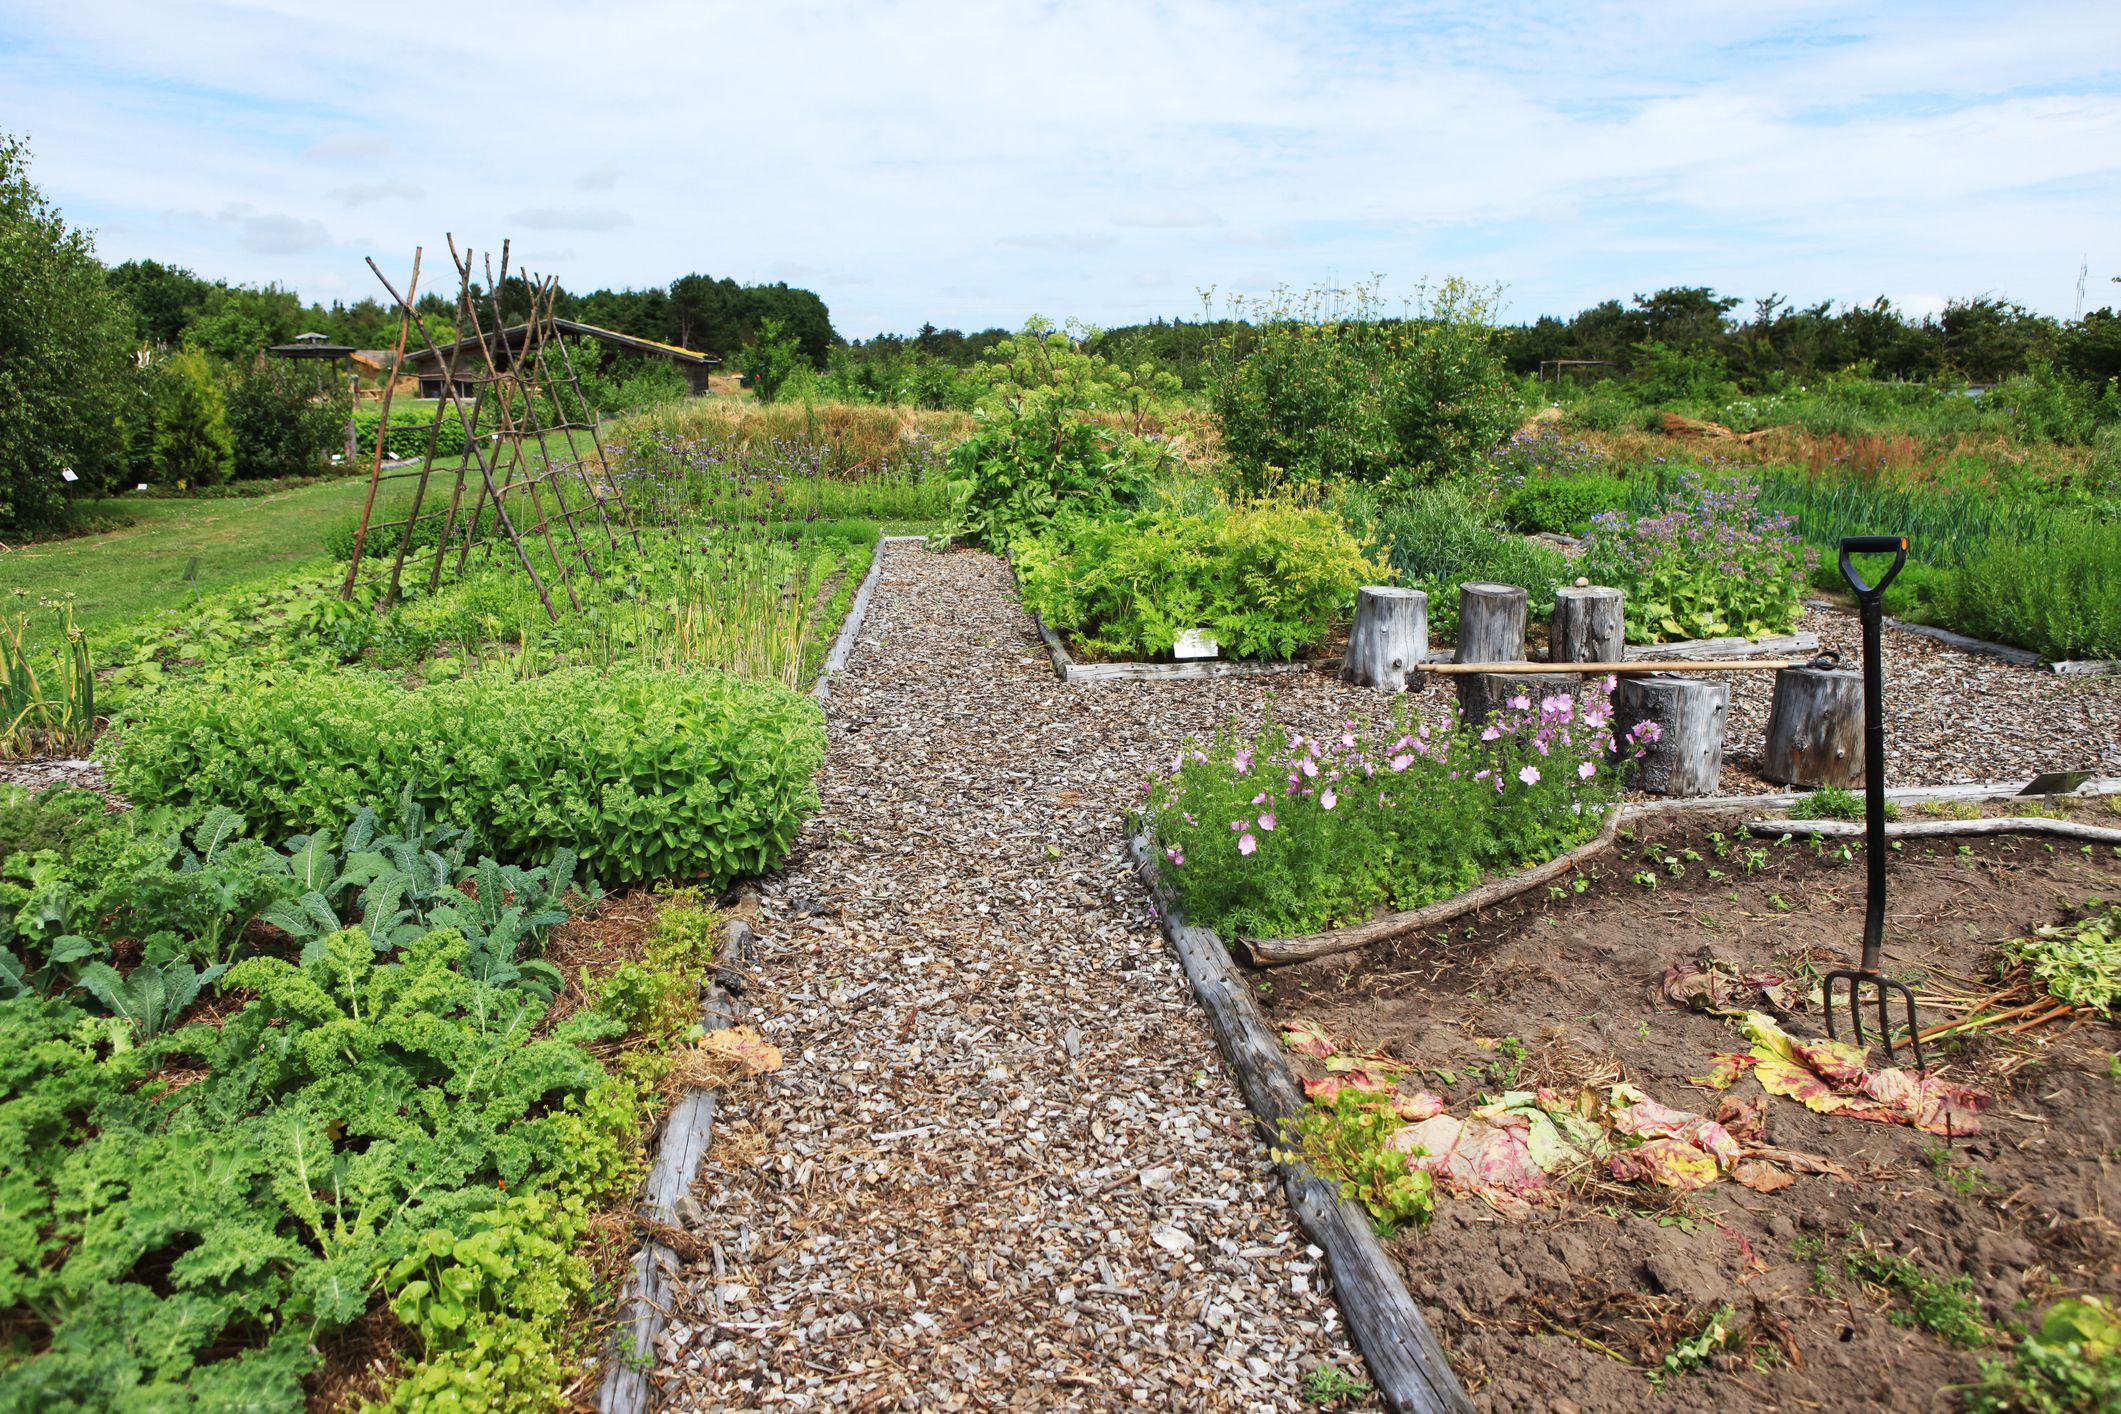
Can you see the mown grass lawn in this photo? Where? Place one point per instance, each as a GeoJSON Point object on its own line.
{"type": "Point", "coordinates": [136, 569]}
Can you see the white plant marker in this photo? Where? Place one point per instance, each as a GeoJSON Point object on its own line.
{"type": "Point", "coordinates": [1195, 643]}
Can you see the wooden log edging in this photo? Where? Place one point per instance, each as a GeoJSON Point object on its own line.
{"type": "Point", "coordinates": [857, 612]}
{"type": "Point", "coordinates": [680, 1145]}
{"type": "Point", "coordinates": [1277, 952]}
{"type": "Point", "coordinates": [1406, 1363]}
{"type": "Point", "coordinates": [1693, 651]}
{"type": "Point", "coordinates": [1972, 793]}
{"type": "Point", "coordinates": [1069, 671]}
{"type": "Point", "coordinates": [1935, 829]}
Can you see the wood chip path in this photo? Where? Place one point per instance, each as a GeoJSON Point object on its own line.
{"type": "Point", "coordinates": [1002, 1167]}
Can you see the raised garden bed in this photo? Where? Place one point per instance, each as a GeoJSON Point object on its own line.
{"type": "Point", "coordinates": [1834, 1290]}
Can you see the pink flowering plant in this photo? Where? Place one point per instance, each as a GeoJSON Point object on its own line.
{"type": "Point", "coordinates": [1278, 833]}
{"type": "Point", "coordinates": [1710, 563]}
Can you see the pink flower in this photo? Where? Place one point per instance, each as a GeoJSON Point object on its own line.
{"type": "Point", "coordinates": [1238, 825]}
{"type": "Point", "coordinates": [1266, 822]}
{"type": "Point", "coordinates": [1260, 799]}
{"type": "Point", "coordinates": [1246, 844]}
{"type": "Point", "coordinates": [1401, 762]}
{"type": "Point", "coordinates": [1585, 770]}
{"type": "Point", "coordinates": [1309, 767]}
{"type": "Point", "coordinates": [1520, 702]}
{"type": "Point", "coordinates": [1493, 733]}
{"type": "Point", "coordinates": [1242, 760]}
{"type": "Point", "coordinates": [1529, 775]}
{"type": "Point", "coordinates": [1329, 800]}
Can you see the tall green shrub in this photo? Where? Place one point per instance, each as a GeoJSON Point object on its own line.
{"type": "Point", "coordinates": [276, 423]}
{"type": "Point", "coordinates": [193, 446]}
{"type": "Point", "coordinates": [1312, 395]}
{"type": "Point", "coordinates": [65, 354]}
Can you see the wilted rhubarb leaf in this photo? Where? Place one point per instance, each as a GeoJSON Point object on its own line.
{"type": "Point", "coordinates": [1306, 1039]}
{"type": "Point", "coordinates": [1673, 1163]}
{"type": "Point", "coordinates": [1761, 1176]}
{"type": "Point", "coordinates": [1725, 1072]}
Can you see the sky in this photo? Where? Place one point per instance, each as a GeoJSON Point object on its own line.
{"type": "Point", "coordinates": [1107, 160]}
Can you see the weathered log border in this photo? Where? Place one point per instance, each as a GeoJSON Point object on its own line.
{"type": "Point", "coordinates": [1981, 647]}
{"type": "Point", "coordinates": [1406, 1363]}
{"type": "Point", "coordinates": [1276, 952]}
{"type": "Point", "coordinates": [857, 612]}
{"type": "Point", "coordinates": [680, 1144]}
{"type": "Point", "coordinates": [1935, 829]}
{"type": "Point", "coordinates": [1970, 794]}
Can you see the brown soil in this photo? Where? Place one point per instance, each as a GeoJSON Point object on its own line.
{"type": "Point", "coordinates": [1524, 1306]}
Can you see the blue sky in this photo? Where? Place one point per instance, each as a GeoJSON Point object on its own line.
{"type": "Point", "coordinates": [973, 163]}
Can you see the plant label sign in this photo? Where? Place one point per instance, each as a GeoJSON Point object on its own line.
{"type": "Point", "coordinates": [1195, 643]}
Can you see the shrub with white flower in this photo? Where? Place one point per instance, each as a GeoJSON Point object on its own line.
{"type": "Point", "coordinates": [1279, 833]}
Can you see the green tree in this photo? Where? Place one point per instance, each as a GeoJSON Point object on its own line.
{"type": "Point", "coordinates": [66, 346]}
{"type": "Point", "coordinates": [238, 322]}
{"type": "Point", "coordinates": [192, 442]}
{"type": "Point", "coordinates": [164, 298]}
{"type": "Point", "coordinates": [277, 425]}
{"type": "Point", "coordinates": [773, 358]}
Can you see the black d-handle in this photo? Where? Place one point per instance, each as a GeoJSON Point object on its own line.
{"type": "Point", "coordinates": [1894, 545]}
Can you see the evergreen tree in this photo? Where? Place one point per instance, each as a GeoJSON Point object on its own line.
{"type": "Point", "coordinates": [192, 442]}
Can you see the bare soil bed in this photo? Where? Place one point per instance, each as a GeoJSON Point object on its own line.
{"type": "Point", "coordinates": [1572, 1306]}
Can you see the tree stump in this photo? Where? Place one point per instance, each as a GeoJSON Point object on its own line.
{"type": "Point", "coordinates": [1815, 728]}
{"type": "Point", "coordinates": [1589, 626]}
{"type": "Point", "coordinates": [1390, 638]}
{"type": "Point", "coordinates": [1482, 695]}
{"type": "Point", "coordinates": [1490, 623]}
{"type": "Point", "coordinates": [1687, 756]}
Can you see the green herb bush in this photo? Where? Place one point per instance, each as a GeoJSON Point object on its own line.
{"type": "Point", "coordinates": [1561, 504]}
{"type": "Point", "coordinates": [408, 432]}
{"type": "Point", "coordinates": [1273, 833]}
{"type": "Point", "coordinates": [276, 424]}
{"type": "Point", "coordinates": [648, 773]}
{"type": "Point", "coordinates": [1436, 539]}
{"type": "Point", "coordinates": [1266, 581]}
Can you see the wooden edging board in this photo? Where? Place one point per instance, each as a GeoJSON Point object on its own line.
{"type": "Point", "coordinates": [1942, 829]}
{"type": "Point", "coordinates": [2017, 657]}
{"type": "Point", "coordinates": [1407, 1365]}
{"type": "Point", "coordinates": [843, 646]}
{"type": "Point", "coordinates": [1898, 795]}
{"type": "Point", "coordinates": [1068, 670]}
{"type": "Point", "coordinates": [1696, 650]}
{"type": "Point", "coordinates": [683, 1140]}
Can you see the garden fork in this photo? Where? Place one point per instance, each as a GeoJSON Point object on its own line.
{"type": "Point", "coordinates": [1870, 602]}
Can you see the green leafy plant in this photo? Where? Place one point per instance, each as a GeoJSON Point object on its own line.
{"type": "Point", "coordinates": [1561, 503]}
{"type": "Point", "coordinates": [1330, 1387]}
{"type": "Point", "coordinates": [1322, 386]}
{"type": "Point", "coordinates": [1037, 448]}
{"type": "Point", "coordinates": [1947, 1308]}
{"type": "Point", "coordinates": [1347, 1142]}
{"type": "Point", "coordinates": [1266, 580]}
{"type": "Point", "coordinates": [648, 774]}
{"type": "Point", "coordinates": [2076, 962]}
{"type": "Point", "coordinates": [1436, 538]}
{"type": "Point", "coordinates": [2071, 1365]}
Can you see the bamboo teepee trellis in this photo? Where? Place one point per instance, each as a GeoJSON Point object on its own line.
{"type": "Point", "coordinates": [533, 461]}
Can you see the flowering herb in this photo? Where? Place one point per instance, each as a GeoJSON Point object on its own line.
{"type": "Point", "coordinates": [1710, 563]}
{"type": "Point", "coordinates": [1280, 833]}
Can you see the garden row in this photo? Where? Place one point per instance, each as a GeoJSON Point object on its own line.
{"type": "Point", "coordinates": [328, 1053]}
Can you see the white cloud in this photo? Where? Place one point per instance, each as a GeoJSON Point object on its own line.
{"type": "Point", "coordinates": [967, 163]}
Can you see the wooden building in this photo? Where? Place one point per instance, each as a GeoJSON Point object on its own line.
{"type": "Point", "coordinates": [429, 366]}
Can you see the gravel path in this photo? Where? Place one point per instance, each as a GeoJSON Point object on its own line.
{"type": "Point", "coordinates": [1002, 1167]}
{"type": "Point", "coordinates": [1950, 716]}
